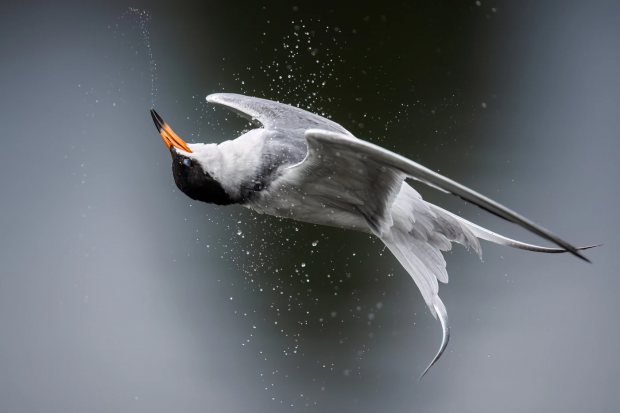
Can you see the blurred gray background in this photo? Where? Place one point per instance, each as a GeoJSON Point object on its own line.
{"type": "Point", "coordinates": [119, 294]}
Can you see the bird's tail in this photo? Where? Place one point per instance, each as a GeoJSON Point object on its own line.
{"type": "Point", "coordinates": [429, 288]}
{"type": "Point", "coordinates": [420, 232]}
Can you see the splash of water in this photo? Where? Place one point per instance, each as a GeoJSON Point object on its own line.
{"type": "Point", "coordinates": [143, 19]}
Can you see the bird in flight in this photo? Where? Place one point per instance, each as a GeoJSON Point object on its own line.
{"type": "Point", "coordinates": [299, 165]}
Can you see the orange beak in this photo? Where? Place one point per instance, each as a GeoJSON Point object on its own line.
{"type": "Point", "coordinates": [170, 138]}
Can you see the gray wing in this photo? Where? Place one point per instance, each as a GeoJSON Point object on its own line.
{"type": "Point", "coordinates": [274, 115]}
{"type": "Point", "coordinates": [349, 182]}
{"type": "Point", "coordinates": [321, 142]}
{"type": "Point", "coordinates": [285, 125]}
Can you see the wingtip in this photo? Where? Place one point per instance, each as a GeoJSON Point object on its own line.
{"type": "Point", "coordinates": [442, 314]}
{"type": "Point", "coordinates": [576, 253]}
{"type": "Point", "coordinates": [585, 248]}
{"type": "Point", "coordinates": [215, 97]}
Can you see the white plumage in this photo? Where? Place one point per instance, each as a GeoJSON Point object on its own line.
{"type": "Point", "coordinates": [302, 166]}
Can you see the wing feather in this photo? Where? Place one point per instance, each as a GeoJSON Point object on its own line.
{"type": "Point", "coordinates": [336, 176]}
{"type": "Point", "coordinates": [274, 115]}
{"type": "Point", "coordinates": [339, 142]}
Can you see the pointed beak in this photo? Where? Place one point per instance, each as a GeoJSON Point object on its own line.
{"type": "Point", "coordinates": [170, 138]}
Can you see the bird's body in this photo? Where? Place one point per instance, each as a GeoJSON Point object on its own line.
{"type": "Point", "coordinates": [302, 166]}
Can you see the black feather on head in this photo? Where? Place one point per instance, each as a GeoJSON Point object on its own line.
{"type": "Point", "coordinates": [195, 182]}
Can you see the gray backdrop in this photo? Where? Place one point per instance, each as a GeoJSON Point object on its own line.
{"type": "Point", "coordinates": [119, 294]}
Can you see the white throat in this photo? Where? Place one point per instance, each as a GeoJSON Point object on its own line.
{"type": "Point", "coordinates": [231, 163]}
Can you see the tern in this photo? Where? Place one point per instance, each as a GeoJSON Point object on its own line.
{"type": "Point", "coordinates": [300, 165]}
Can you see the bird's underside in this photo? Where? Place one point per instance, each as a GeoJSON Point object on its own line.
{"type": "Point", "coordinates": [319, 173]}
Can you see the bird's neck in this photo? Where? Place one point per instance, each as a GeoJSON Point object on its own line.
{"type": "Point", "coordinates": [232, 163]}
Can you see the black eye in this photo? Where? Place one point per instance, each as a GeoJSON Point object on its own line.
{"type": "Point", "coordinates": [187, 162]}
